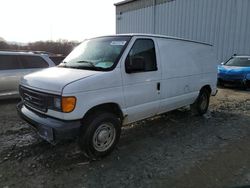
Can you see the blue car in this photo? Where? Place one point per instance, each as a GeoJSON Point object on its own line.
{"type": "Point", "coordinates": [236, 71]}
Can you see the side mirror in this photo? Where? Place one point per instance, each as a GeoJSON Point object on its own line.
{"type": "Point", "coordinates": [136, 64]}
{"type": "Point", "coordinates": [222, 63]}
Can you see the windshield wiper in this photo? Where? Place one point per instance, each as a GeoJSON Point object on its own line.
{"type": "Point", "coordinates": [91, 66]}
{"type": "Point", "coordinates": [88, 62]}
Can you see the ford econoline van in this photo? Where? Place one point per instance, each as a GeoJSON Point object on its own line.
{"type": "Point", "coordinates": [110, 81]}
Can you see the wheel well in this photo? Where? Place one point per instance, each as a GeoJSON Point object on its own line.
{"type": "Point", "coordinates": [107, 107]}
{"type": "Point", "coordinates": [207, 87]}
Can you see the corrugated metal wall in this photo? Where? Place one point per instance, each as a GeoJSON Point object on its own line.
{"type": "Point", "coordinates": [223, 23]}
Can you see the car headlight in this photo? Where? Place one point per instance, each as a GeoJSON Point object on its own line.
{"type": "Point", "coordinates": [248, 76]}
{"type": "Point", "coordinates": [218, 69]}
{"type": "Point", "coordinates": [57, 103]}
{"type": "Point", "coordinates": [62, 104]}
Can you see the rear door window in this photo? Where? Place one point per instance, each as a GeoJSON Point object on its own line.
{"type": "Point", "coordinates": [32, 62]}
{"type": "Point", "coordinates": [9, 62]}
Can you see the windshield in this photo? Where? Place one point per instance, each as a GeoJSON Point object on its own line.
{"type": "Point", "coordinates": [97, 54]}
{"type": "Point", "coordinates": [239, 62]}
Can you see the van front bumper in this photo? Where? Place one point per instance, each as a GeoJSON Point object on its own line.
{"type": "Point", "coordinates": [48, 128]}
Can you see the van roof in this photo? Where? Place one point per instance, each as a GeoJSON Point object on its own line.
{"type": "Point", "coordinates": [123, 2]}
{"type": "Point", "coordinates": [242, 56]}
{"type": "Point", "coordinates": [161, 36]}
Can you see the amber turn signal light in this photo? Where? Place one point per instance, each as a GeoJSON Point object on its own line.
{"type": "Point", "coordinates": [68, 104]}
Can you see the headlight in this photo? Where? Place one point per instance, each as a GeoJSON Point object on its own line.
{"type": "Point", "coordinates": [57, 103]}
{"type": "Point", "coordinates": [248, 76]}
{"type": "Point", "coordinates": [68, 104]}
{"type": "Point", "coordinates": [218, 70]}
{"type": "Point", "coordinates": [62, 104]}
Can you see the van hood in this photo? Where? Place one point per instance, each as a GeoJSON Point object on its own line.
{"type": "Point", "coordinates": [55, 79]}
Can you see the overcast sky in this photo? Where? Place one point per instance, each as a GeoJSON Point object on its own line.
{"type": "Point", "coordinates": [33, 20]}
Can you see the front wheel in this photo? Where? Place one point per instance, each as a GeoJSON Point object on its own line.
{"type": "Point", "coordinates": [201, 104]}
{"type": "Point", "coordinates": [100, 136]}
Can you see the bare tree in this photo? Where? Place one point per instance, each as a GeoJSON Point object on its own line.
{"type": "Point", "coordinates": [63, 47]}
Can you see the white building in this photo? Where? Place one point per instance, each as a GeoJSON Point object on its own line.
{"type": "Point", "coordinates": [222, 23]}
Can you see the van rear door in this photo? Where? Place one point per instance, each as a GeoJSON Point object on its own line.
{"type": "Point", "coordinates": [141, 79]}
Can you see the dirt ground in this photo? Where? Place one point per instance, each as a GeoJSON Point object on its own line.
{"type": "Point", "coordinates": [172, 150]}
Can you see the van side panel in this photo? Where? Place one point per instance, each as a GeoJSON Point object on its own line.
{"type": "Point", "coordinates": [210, 64]}
{"type": "Point", "coordinates": [186, 68]}
{"type": "Point", "coordinates": [205, 56]}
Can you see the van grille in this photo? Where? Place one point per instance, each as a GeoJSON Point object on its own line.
{"type": "Point", "coordinates": [34, 99]}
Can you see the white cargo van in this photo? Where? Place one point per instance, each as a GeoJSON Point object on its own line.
{"type": "Point", "coordinates": [110, 81]}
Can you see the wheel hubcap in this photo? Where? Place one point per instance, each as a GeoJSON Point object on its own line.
{"type": "Point", "coordinates": [104, 137]}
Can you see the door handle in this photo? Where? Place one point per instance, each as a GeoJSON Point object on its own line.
{"type": "Point", "coordinates": [158, 86]}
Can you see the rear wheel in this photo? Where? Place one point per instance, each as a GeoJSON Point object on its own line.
{"type": "Point", "coordinates": [100, 136]}
{"type": "Point", "coordinates": [201, 104]}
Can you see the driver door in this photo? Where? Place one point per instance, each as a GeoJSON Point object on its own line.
{"type": "Point", "coordinates": [141, 85]}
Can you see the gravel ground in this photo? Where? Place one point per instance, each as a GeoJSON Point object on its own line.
{"type": "Point", "coordinates": [172, 150]}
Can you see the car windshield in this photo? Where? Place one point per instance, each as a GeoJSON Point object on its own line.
{"type": "Point", "coordinates": [96, 54]}
{"type": "Point", "coordinates": [239, 62]}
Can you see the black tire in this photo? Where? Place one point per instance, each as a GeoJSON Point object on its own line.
{"type": "Point", "coordinates": [200, 106]}
{"type": "Point", "coordinates": [99, 127]}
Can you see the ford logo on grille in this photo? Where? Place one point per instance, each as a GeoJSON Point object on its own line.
{"type": "Point", "coordinates": [28, 98]}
